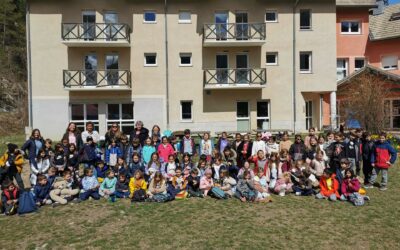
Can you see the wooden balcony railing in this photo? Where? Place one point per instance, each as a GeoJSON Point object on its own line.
{"type": "Point", "coordinates": [97, 79]}
{"type": "Point", "coordinates": [235, 77]}
{"type": "Point", "coordinates": [95, 32]}
{"type": "Point", "coordinates": [234, 31]}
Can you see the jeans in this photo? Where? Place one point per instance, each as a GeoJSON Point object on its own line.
{"type": "Point", "coordinates": [90, 193]}
{"type": "Point", "coordinates": [374, 176]}
{"type": "Point", "coordinates": [122, 194]}
{"type": "Point", "coordinates": [332, 197]}
{"type": "Point", "coordinates": [303, 191]}
{"type": "Point", "coordinates": [367, 170]}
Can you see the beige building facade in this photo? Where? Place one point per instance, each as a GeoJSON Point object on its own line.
{"type": "Point", "coordinates": [205, 65]}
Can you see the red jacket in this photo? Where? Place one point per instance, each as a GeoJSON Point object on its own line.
{"type": "Point", "coordinates": [346, 189]}
{"type": "Point", "coordinates": [384, 153]}
{"type": "Point", "coordinates": [324, 186]}
{"type": "Point", "coordinates": [164, 152]}
{"type": "Point", "coordinates": [256, 167]}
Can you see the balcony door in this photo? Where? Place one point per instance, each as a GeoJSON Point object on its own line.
{"type": "Point", "coordinates": [110, 22]}
{"type": "Point", "coordinates": [222, 68]}
{"type": "Point", "coordinates": [243, 116]}
{"type": "Point", "coordinates": [89, 25]}
{"type": "Point", "coordinates": [90, 70]}
{"type": "Point", "coordinates": [112, 67]}
{"type": "Point", "coordinates": [242, 26]}
{"type": "Point", "coordinates": [242, 72]}
{"type": "Point", "coordinates": [221, 25]}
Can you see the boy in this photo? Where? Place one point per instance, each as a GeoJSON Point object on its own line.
{"type": "Point", "coordinates": [135, 147]}
{"type": "Point", "coordinates": [340, 172]}
{"type": "Point", "coordinates": [338, 151]}
{"type": "Point", "coordinates": [382, 159]}
{"type": "Point", "coordinates": [122, 187]}
{"type": "Point", "coordinates": [187, 144]}
{"type": "Point", "coordinates": [11, 164]}
{"type": "Point", "coordinates": [368, 147]}
{"type": "Point", "coordinates": [87, 154]}
{"type": "Point", "coordinates": [51, 175]}
{"type": "Point", "coordinates": [42, 191]}
{"type": "Point", "coordinates": [9, 197]}
{"type": "Point", "coordinates": [329, 186]}
{"type": "Point", "coordinates": [62, 189]}
{"type": "Point", "coordinates": [90, 186]}
{"type": "Point", "coordinates": [193, 183]}
{"type": "Point", "coordinates": [353, 153]}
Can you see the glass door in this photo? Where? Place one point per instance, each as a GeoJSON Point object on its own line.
{"type": "Point", "coordinates": [89, 25]}
{"type": "Point", "coordinates": [90, 70]}
{"type": "Point", "coordinates": [222, 68]}
{"type": "Point", "coordinates": [112, 66]}
{"type": "Point", "coordinates": [242, 116]}
{"type": "Point", "coordinates": [221, 25]}
{"type": "Point", "coordinates": [242, 26]}
{"type": "Point", "coordinates": [242, 71]}
{"type": "Point", "coordinates": [309, 114]}
{"type": "Point", "coordinates": [111, 29]}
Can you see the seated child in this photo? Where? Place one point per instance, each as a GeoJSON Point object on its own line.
{"type": "Point", "coordinates": [202, 167]}
{"type": "Point", "coordinates": [100, 171]}
{"type": "Point", "coordinates": [329, 186]}
{"type": "Point", "coordinates": [193, 184]}
{"type": "Point", "coordinates": [217, 167]}
{"type": "Point", "coordinates": [261, 185]}
{"type": "Point", "coordinates": [51, 175]}
{"type": "Point", "coordinates": [246, 167]}
{"type": "Point", "coordinates": [136, 164]}
{"type": "Point", "coordinates": [9, 197]}
{"type": "Point", "coordinates": [122, 187]}
{"type": "Point", "coordinates": [90, 186]}
{"type": "Point", "coordinates": [350, 184]}
{"type": "Point", "coordinates": [41, 166]}
{"type": "Point", "coordinates": [283, 185]}
{"type": "Point", "coordinates": [179, 183]}
{"type": "Point", "coordinates": [285, 162]}
{"type": "Point", "coordinates": [107, 187]}
{"type": "Point", "coordinates": [153, 166]}
{"type": "Point", "coordinates": [11, 164]}
{"type": "Point", "coordinates": [62, 189]}
{"type": "Point", "coordinates": [206, 182]}
{"type": "Point", "coordinates": [318, 164]}
{"type": "Point", "coordinates": [137, 185]}
{"type": "Point", "coordinates": [340, 172]}
{"type": "Point", "coordinates": [168, 171]}
{"type": "Point", "coordinates": [157, 186]}
{"type": "Point", "coordinates": [302, 185]}
{"type": "Point", "coordinates": [41, 191]}
{"type": "Point", "coordinates": [121, 168]}
{"type": "Point", "coordinates": [60, 159]}
{"type": "Point", "coordinates": [228, 184]}
{"type": "Point", "coordinates": [273, 171]}
{"type": "Point", "coordinates": [245, 189]}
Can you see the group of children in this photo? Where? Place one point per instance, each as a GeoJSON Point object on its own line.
{"type": "Point", "coordinates": [327, 166]}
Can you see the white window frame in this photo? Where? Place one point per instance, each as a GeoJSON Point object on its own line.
{"type": "Point", "coordinates": [346, 67]}
{"type": "Point", "coordinates": [121, 122]}
{"type": "Point", "coordinates": [184, 21]}
{"type": "Point", "coordinates": [181, 111]}
{"type": "Point", "coordinates": [276, 58]}
{"type": "Point", "coordinates": [304, 28]}
{"type": "Point", "coordinates": [145, 61]}
{"type": "Point", "coordinates": [144, 16]}
{"type": "Point", "coordinates": [356, 59]}
{"type": "Point", "coordinates": [349, 32]}
{"type": "Point", "coordinates": [390, 67]}
{"type": "Point", "coordinates": [184, 54]}
{"type": "Point", "coordinates": [265, 117]}
{"type": "Point", "coordinates": [271, 21]}
{"type": "Point", "coordinates": [309, 71]}
{"type": "Point", "coordinates": [85, 120]}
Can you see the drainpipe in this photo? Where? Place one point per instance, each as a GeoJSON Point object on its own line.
{"type": "Point", "coordinates": [29, 66]}
{"type": "Point", "coordinates": [294, 66]}
{"type": "Point", "coordinates": [166, 61]}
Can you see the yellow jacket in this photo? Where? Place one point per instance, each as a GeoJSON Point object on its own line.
{"type": "Point", "coordinates": [19, 161]}
{"type": "Point", "coordinates": [136, 185]}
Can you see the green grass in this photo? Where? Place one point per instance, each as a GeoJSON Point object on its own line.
{"type": "Point", "coordinates": [17, 139]}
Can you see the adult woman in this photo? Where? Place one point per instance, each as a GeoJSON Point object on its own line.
{"type": "Point", "coordinates": [33, 145]}
{"type": "Point", "coordinates": [156, 131]}
{"type": "Point", "coordinates": [140, 132]}
{"type": "Point", "coordinates": [113, 134]}
{"type": "Point", "coordinates": [73, 135]}
{"type": "Point", "coordinates": [90, 132]}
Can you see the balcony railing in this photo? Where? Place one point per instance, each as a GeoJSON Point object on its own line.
{"type": "Point", "coordinates": [97, 79]}
{"type": "Point", "coordinates": [105, 32]}
{"type": "Point", "coordinates": [235, 77]}
{"type": "Point", "coordinates": [228, 32]}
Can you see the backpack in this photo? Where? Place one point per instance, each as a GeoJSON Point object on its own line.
{"type": "Point", "coordinates": [26, 203]}
{"type": "Point", "coordinates": [161, 197]}
{"type": "Point", "coordinates": [218, 193]}
{"type": "Point", "coordinates": [357, 199]}
{"type": "Point", "coordinates": [139, 196]}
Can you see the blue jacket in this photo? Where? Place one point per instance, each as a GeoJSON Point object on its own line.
{"type": "Point", "coordinates": [31, 146]}
{"type": "Point", "coordinates": [113, 150]}
{"type": "Point", "coordinates": [147, 151]}
{"type": "Point", "coordinates": [130, 152]}
{"type": "Point", "coordinates": [42, 192]}
{"type": "Point", "coordinates": [101, 173]}
{"type": "Point", "coordinates": [136, 166]}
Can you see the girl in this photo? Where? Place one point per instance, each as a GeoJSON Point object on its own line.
{"type": "Point", "coordinates": [176, 145]}
{"type": "Point", "coordinates": [165, 150]}
{"type": "Point", "coordinates": [321, 145]}
{"type": "Point", "coordinates": [311, 149]}
{"type": "Point", "coordinates": [244, 150]}
{"type": "Point", "coordinates": [258, 145]}
{"type": "Point", "coordinates": [229, 155]}
{"type": "Point", "coordinates": [42, 165]}
{"type": "Point", "coordinates": [90, 186]}
{"type": "Point", "coordinates": [228, 184]}
{"type": "Point", "coordinates": [48, 148]}
{"type": "Point", "coordinates": [274, 170]}
{"type": "Point", "coordinates": [137, 185]}
{"type": "Point", "coordinates": [261, 185]}
{"type": "Point", "coordinates": [311, 133]}
{"type": "Point", "coordinates": [101, 170]}
{"type": "Point", "coordinates": [168, 170]}
{"type": "Point", "coordinates": [122, 168]}
{"type": "Point", "coordinates": [222, 142]}
{"type": "Point", "coordinates": [156, 131]}
{"type": "Point", "coordinates": [112, 154]}
{"type": "Point", "coordinates": [148, 150]}
{"type": "Point", "coordinates": [285, 163]}
{"type": "Point", "coordinates": [113, 134]}
{"type": "Point", "coordinates": [302, 185]}
{"type": "Point", "coordinates": [153, 166]}
{"type": "Point", "coordinates": [155, 140]}
{"type": "Point", "coordinates": [272, 146]}
{"type": "Point", "coordinates": [202, 167]}
{"type": "Point", "coordinates": [297, 150]}
{"type": "Point", "coordinates": [107, 187]}
{"type": "Point", "coordinates": [329, 186]}
{"type": "Point", "coordinates": [245, 190]}
{"type": "Point", "coordinates": [350, 185]}
{"type": "Point", "coordinates": [216, 167]}
{"type": "Point", "coordinates": [124, 147]}
{"type": "Point", "coordinates": [136, 164]}
{"type": "Point", "coordinates": [73, 135]}
{"type": "Point", "coordinates": [206, 182]}
{"type": "Point", "coordinates": [206, 146]}
{"type": "Point", "coordinates": [60, 160]}
{"type": "Point", "coordinates": [285, 143]}
{"type": "Point", "coordinates": [260, 163]}
{"type": "Point", "coordinates": [179, 183]}
{"type": "Point", "coordinates": [283, 185]}
{"type": "Point", "coordinates": [122, 187]}
{"type": "Point", "coordinates": [33, 144]}
{"type": "Point", "coordinates": [135, 147]}
{"type": "Point", "coordinates": [318, 165]}
{"type": "Point", "coordinates": [238, 140]}
{"type": "Point", "coordinates": [157, 186]}
{"type": "Point", "coordinates": [246, 167]}
{"type": "Point", "coordinates": [73, 161]}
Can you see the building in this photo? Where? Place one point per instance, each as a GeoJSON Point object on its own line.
{"type": "Point", "coordinates": [205, 65]}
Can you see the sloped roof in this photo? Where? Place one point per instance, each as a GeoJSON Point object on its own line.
{"type": "Point", "coordinates": [385, 26]}
{"type": "Point", "coordinates": [369, 68]}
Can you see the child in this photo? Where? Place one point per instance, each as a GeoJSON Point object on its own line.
{"type": "Point", "coordinates": [42, 191]}
{"type": "Point", "coordinates": [179, 183]}
{"type": "Point", "coordinates": [112, 154]}
{"type": "Point", "coordinates": [72, 159]}
{"type": "Point", "coordinates": [60, 159]}
{"type": "Point", "coordinates": [157, 186]}
{"type": "Point", "coordinates": [62, 189]}
{"type": "Point", "coordinates": [90, 186]}
{"type": "Point", "coordinates": [101, 170]}
{"type": "Point", "coordinates": [283, 185]}
{"type": "Point", "coordinates": [165, 150]}
{"type": "Point", "coordinates": [137, 186]}
{"type": "Point", "coordinates": [42, 165]}
{"type": "Point", "coordinates": [121, 168]}
{"type": "Point", "coordinates": [228, 184]}
{"type": "Point", "coordinates": [245, 189]}
{"type": "Point", "coordinates": [274, 171]}
{"type": "Point", "coordinates": [350, 185]}
{"type": "Point", "coordinates": [353, 152]}
{"type": "Point", "coordinates": [11, 164]}
{"type": "Point", "coordinates": [261, 185]}
{"type": "Point", "coordinates": [368, 147]}
{"type": "Point", "coordinates": [9, 198]}
{"type": "Point", "coordinates": [329, 186]}
{"type": "Point", "coordinates": [187, 144]}
{"type": "Point", "coordinates": [206, 146]}
{"type": "Point", "coordinates": [338, 151]}
{"type": "Point", "coordinates": [136, 164]}
{"type": "Point", "coordinates": [223, 142]}
{"type": "Point", "coordinates": [175, 144]}
{"type": "Point", "coordinates": [318, 164]}
{"type": "Point", "coordinates": [244, 150]}
{"type": "Point", "coordinates": [285, 163]}
{"type": "Point", "coordinates": [155, 140]}
{"type": "Point", "coordinates": [297, 150]}
{"type": "Point", "coordinates": [153, 166]}
{"type": "Point", "coordinates": [206, 182]}
{"type": "Point", "coordinates": [246, 167]}
{"type": "Point", "coordinates": [260, 163]}
{"type": "Point", "coordinates": [285, 143]}
{"type": "Point", "coordinates": [122, 187]}
{"type": "Point", "coordinates": [48, 148]}
{"type": "Point", "coordinates": [340, 173]}
{"type": "Point", "coordinates": [202, 165]}
{"type": "Point", "coordinates": [302, 185]}
{"type": "Point", "coordinates": [258, 145]}
{"type": "Point", "coordinates": [88, 153]}
{"type": "Point", "coordinates": [193, 184]}
{"type": "Point", "coordinates": [383, 157]}
{"type": "Point", "coordinates": [135, 147]}
{"type": "Point", "coordinates": [168, 171]}
{"type": "Point", "coordinates": [216, 167]}
{"type": "Point", "coordinates": [311, 133]}
{"type": "Point", "coordinates": [229, 155]}
{"type": "Point", "coordinates": [148, 150]}
{"type": "Point", "coordinates": [107, 187]}
{"type": "Point", "coordinates": [124, 147]}
{"type": "Point", "coordinates": [272, 146]}
{"type": "Point", "coordinates": [51, 175]}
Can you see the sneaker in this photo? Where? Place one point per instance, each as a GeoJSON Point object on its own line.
{"type": "Point", "coordinates": [368, 186]}
{"type": "Point", "coordinates": [76, 200]}
{"type": "Point", "coordinates": [298, 193]}
{"type": "Point", "coordinates": [282, 193]}
{"type": "Point", "coordinates": [366, 198]}
{"type": "Point", "coordinates": [383, 188]}
{"type": "Point", "coordinates": [56, 204]}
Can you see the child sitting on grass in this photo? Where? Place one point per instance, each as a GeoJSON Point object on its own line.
{"type": "Point", "coordinates": [41, 191]}
{"type": "Point", "coordinates": [169, 168]}
{"type": "Point", "coordinates": [194, 183]}
{"type": "Point", "coordinates": [329, 186]}
{"type": "Point", "coordinates": [261, 185]}
{"type": "Point", "coordinates": [350, 184]}
{"type": "Point", "coordinates": [63, 192]}
{"type": "Point", "coordinates": [153, 166]}
{"type": "Point", "coordinates": [101, 170]}
{"type": "Point", "coordinates": [283, 185]}
{"type": "Point", "coordinates": [228, 184]}
{"type": "Point", "coordinates": [90, 186]}
{"type": "Point", "coordinates": [206, 182]}
{"type": "Point", "coordinates": [157, 186]}
{"type": "Point", "coordinates": [9, 198]}
{"type": "Point", "coordinates": [246, 167]}
{"type": "Point", "coordinates": [179, 184]}
{"type": "Point", "coordinates": [107, 187]}
{"type": "Point", "coordinates": [122, 187]}
{"type": "Point", "coordinates": [302, 185]}
{"type": "Point", "coordinates": [245, 190]}
{"type": "Point", "coordinates": [138, 186]}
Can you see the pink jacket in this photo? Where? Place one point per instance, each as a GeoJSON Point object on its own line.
{"type": "Point", "coordinates": [165, 151]}
{"type": "Point", "coordinates": [206, 183]}
{"type": "Point", "coordinates": [281, 183]}
{"type": "Point", "coordinates": [346, 189]}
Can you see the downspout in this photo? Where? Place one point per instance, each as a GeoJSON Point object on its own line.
{"type": "Point", "coordinates": [166, 61]}
{"type": "Point", "coordinates": [29, 66]}
{"type": "Point", "coordinates": [294, 66]}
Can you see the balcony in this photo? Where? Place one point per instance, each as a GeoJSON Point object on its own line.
{"type": "Point", "coordinates": [96, 35]}
{"type": "Point", "coordinates": [233, 34]}
{"type": "Point", "coordinates": [97, 80]}
{"type": "Point", "coordinates": [235, 78]}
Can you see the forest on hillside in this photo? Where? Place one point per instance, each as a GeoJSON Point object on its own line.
{"type": "Point", "coordinates": [13, 67]}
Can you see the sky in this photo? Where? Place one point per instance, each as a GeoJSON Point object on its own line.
{"type": "Point", "coordinates": [394, 1]}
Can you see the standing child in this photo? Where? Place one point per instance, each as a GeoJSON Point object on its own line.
{"type": "Point", "coordinates": [245, 189]}
{"type": "Point", "coordinates": [42, 165]}
{"type": "Point", "coordinates": [244, 150]}
{"type": "Point", "coordinates": [121, 168]}
{"type": "Point", "coordinates": [186, 161]}
{"type": "Point", "coordinates": [72, 159]}
{"type": "Point", "coordinates": [318, 165]}
{"type": "Point", "coordinates": [329, 186]}
{"type": "Point", "coordinates": [88, 153]}
{"type": "Point", "coordinates": [187, 144]}
{"type": "Point", "coordinates": [124, 147]}
{"type": "Point", "coordinates": [135, 147]}
{"type": "Point", "coordinates": [9, 198]}
{"type": "Point", "coordinates": [63, 191]}
{"type": "Point", "coordinates": [285, 163]}
{"type": "Point", "coordinates": [258, 145]}
{"type": "Point", "coordinates": [48, 148]}
{"type": "Point", "coordinates": [107, 187]}
{"type": "Point", "coordinates": [206, 146]}
{"type": "Point", "coordinates": [297, 150]}
{"type": "Point", "coordinates": [60, 159]}
{"type": "Point", "coordinates": [137, 187]}
{"type": "Point", "coordinates": [42, 191]}
{"type": "Point", "coordinates": [122, 187]}
{"type": "Point", "coordinates": [274, 170]}
{"type": "Point", "coordinates": [11, 164]}
{"type": "Point", "coordinates": [368, 148]}
{"type": "Point", "coordinates": [223, 142]}
{"type": "Point", "coordinates": [90, 186]}
{"type": "Point", "coordinates": [272, 146]}
{"type": "Point", "coordinates": [206, 182]}
{"type": "Point", "coordinates": [285, 143]}
{"type": "Point", "coordinates": [217, 167]}
{"type": "Point", "coordinates": [112, 154]}
{"type": "Point", "coordinates": [148, 151]}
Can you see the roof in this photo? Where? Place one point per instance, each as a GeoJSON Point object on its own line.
{"type": "Point", "coordinates": [386, 25]}
{"type": "Point", "coordinates": [356, 3]}
{"type": "Point", "coordinates": [369, 68]}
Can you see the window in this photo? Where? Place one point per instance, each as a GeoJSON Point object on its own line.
{"type": "Point", "coordinates": [359, 63]}
{"type": "Point", "coordinates": [272, 58]}
{"type": "Point", "coordinates": [263, 121]}
{"type": "Point", "coordinates": [186, 110]}
{"type": "Point", "coordinates": [309, 114]}
{"type": "Point", "coordinates": [271, 16]}
{"type": "Point", "coordinates": [350, 27]}
{"type": "Point", "coordinates": [341, 69]}
{"type": "Point", "coordinates": [83, 113]}
{"type": "Point", "coordinates": [185, 59]}
{"type": "Point", "coordinates": [305, 62]}
{"type": "Point", "coordinates": [390, 62]}
{"type": "Point", "coordinates": [121, 113]}
{"type": "Point", "coordinates": [149, 17]}
{"type": "Point", "coordinates": [305, 19]}
{"type": "Point", "coordinates": [392, 114]}
{"type": "Point", "coordinates": [185, 17]}
{"type": "Point", "coordinates": [242, 116]}
{"type": "Point", "coordinates": [150, 59]}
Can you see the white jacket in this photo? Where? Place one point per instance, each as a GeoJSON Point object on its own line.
{"type": "Point", "coordinates": [257, 146]}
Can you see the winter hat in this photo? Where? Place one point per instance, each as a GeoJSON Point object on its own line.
{"type": "Point", "coordinates": [11, 147]}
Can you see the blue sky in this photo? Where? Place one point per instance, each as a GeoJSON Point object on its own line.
{"type": "Point", "coordinates": [394, 1]}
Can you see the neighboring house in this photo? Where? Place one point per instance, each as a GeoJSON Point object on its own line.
{"type": "Point", "coordinates": [205, 65]}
